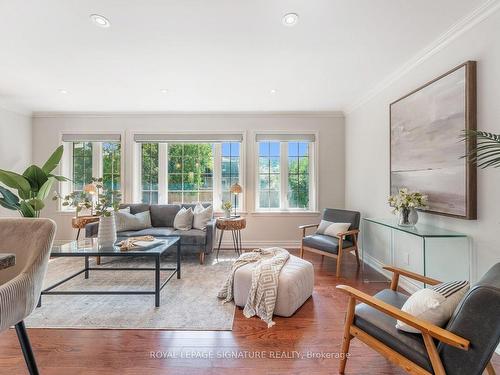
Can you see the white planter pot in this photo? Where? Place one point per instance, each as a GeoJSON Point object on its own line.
{"type": "Point", "coordinates": [107, 231]}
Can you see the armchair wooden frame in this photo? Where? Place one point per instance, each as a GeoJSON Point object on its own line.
{"type": "Point", "coordinates": [429, 331]}
{"type": "Point", "coordinates": [342, 250]}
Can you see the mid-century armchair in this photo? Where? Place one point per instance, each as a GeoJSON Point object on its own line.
{"type": "Point", "coordinates": [333, 247]}
{"type": "Point", "coordinates": [464, 346]}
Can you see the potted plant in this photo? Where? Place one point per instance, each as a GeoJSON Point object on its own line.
{"type": "Point", "coordinates": [32, 187]}
{"type": "Point", "coordinates": [485, 152]}
{"type": "Point", "coordinates": [405, 204]}
{"type": "Point", "coordinates": [79, 200]}
{"type": "Point", "coordinates": [226, 207]}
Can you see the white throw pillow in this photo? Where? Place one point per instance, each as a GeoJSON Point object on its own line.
{"type": "Point", "coordinates": [435, 304]}
{"type": "Point", "coordinates": [126, 221]}
{"type": "Point", "coordinates": [202, 216]}
{"type": "Point", "coordinates": [330, 228]}
{"type": "Point", "coordinates": [184, 219]}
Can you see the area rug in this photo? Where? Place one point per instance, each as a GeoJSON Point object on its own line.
{"type": "Point", "coordinates": [190, 303]}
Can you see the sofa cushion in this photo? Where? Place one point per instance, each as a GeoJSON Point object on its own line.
{"type": "Point", "coordinates": [383, 328]}
{"type": "Point", "coordinates": [125, 221]}
{"type": "Point", "coordinates": [136, 207]}
{"type": "Point", "coordinates": [325, 243]}
{"type": "Point", "coordinates": [202, 216]}
{"type": "Point", "coordinates": [162, 215]}
{"type": "Point", "coordinates": [155, 232]}
{"type": "Point", "coordinates": [192, 236]}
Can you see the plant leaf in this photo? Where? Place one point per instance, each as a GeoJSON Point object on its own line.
{"type": "Point", "coordinates": [15, 181]}
{"type": "Point", "coordinates": [59, 178]}
{"type": "Point", "coordinates": [9, 197]}
{"type": "Point", "coordinates": [44, 191]}
{"type": "Point", "coordinates": [53, 161]}
{"type": "Point", "coordinates": [27, 210]}
{"type": "Point", "coordinates": [36, 177]}
{"type": "Point", "coordinates": [37, 204]}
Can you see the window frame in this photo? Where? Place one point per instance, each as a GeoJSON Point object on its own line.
{"type": "Point", "coordinates": [284, 172]}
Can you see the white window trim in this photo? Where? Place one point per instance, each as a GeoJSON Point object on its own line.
{"type": "Point", "coordinates": [66, 167]}
{"type": "Point", "coordinates": [313, 177]}
{"type": "Point", "coordinates": [163, 172]}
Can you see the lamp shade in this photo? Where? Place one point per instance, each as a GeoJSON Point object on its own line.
{"type": "Point", "coordinates": [90, 189]}
{"type": "Point", "coordinates": [236, 188]}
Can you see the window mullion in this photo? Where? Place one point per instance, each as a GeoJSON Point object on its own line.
{"type": "Point", "coordinates": [217, 176]}
{"type": "Point", "coordinates": [284, 175]}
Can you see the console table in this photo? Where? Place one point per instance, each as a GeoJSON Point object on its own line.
{"type": "Point", "coordinates": [435, 252]}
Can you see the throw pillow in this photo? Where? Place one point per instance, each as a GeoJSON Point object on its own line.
{"type": "Point", "coordinates": [126, 221]}
{"type": "Point", "coordinates": [202, 216]}
{"type": "Point", "coordinates": [435, 304]}
{"type": "Point", "coordinates": [331, 229]}
{"type": "Point", "coordinates": [184, 219]}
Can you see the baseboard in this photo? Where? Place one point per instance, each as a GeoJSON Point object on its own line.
{"type": "Point", "coordinates": [377, 266]}
{"type": "Point", "coordinates": [258, 244]}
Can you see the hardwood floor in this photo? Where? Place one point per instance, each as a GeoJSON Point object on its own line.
{"type": "Point", "coordinates": [314, 332]}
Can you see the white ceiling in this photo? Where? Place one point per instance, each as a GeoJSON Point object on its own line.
{"type": "Point", "coordinates": [218, 55]}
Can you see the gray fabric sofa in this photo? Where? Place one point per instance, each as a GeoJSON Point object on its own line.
{"type": "Point", "coordinates": [162, 221]}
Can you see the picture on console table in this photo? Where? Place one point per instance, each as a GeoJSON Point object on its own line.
{"type": "Point", "coordinates": [426, 155]}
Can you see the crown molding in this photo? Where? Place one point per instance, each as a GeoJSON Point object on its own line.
{"type": "Point", "coordinates": [299, 114]}
{"type": "Point", "coordinates": [15, 109]}
{"type": "Point", "coordinates": [472, 19]}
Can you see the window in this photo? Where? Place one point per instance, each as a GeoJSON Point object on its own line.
{"type": "Point", "coordinates": [82, 164]}
{"type": "Point", "coordinates": [149, 172]}
{"type": "Point", "coordinates": [285, 173]}
{"type": "Point", "coordinates": [111, 163]}
{"type": "Point", "coordinates": [179, 172]}
{"type": "Point", "coordinates": [269, 175]}
{"type": "Point", "coordinates": [190, 173]}
{"type": "Point", "coordinates": [230, 170]}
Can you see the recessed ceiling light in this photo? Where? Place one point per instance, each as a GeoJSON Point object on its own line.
{"type": "Point", "coordinates": [272, 91]}
{"type": "Point", "coordinates": [290, 19]}
{"type": "Point", "coordinates": [62, 91]}
{"type": "Point", "coordinates": [100, 21]}
{"type": "Point", "coordinates": [164, 91]}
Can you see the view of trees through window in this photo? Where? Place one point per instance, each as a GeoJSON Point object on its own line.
{"type": "Point", "coordinates": [149, 173]}
{"type": "Point", "coordinates": [190, 173]}
{"type": "Point", "coordinates": [230, 170]}
{"type": "Point", "coordinates": [269, 175]}
{"type": "Point", "coordinates": [298, 175]}
{"type": "Point", "coordinates": [82, 164]}
{"type": "Point", "coordinates": [111, 162]}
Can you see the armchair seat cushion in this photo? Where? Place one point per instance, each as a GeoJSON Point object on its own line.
{"type": "Point", "coordinates": [382, 327]}
{"type": "Point", "coordinates": [325, 243]}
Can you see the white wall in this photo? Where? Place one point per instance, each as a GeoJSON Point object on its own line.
{"type": "Point", "coordinates": [15, 145]}
{"type": "Point", "coordinates": [262, 229]}
{"type": "Point", "coordinates": [367, 140]}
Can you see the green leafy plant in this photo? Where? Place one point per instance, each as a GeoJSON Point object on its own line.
{"type": "Point", "coordinates": [227, 206]}
{"type": "Point", "coordinates": [107, 200]}
{"type": "Point", "coordinates": [77, 199]}
{"type": "Point", "coordinates": [33, 186]}
{"type": "Point", "coordinates": [485, 152]}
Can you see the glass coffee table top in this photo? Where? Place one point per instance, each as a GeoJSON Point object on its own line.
{"type": "Point", "coordinates": [91, 247]}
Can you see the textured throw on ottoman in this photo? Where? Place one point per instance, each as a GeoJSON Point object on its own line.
{"type": "Point", "coordinates": [295, 285]}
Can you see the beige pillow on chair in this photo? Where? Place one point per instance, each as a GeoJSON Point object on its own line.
{"type": "Point", "coordinates": [331, 229]}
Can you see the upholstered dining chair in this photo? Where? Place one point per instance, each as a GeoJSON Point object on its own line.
{"type": "Point", "coordinates": [20, 286]}
{"type": "Point", "coordinates": [464, 346]}
{"type": "Point", "coordinates": [330, 246]}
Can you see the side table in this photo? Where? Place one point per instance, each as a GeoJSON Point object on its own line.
{"type": "Point", "coordinates": [235, 225]}
{"type": "Point", "coordinates": [79, 223]}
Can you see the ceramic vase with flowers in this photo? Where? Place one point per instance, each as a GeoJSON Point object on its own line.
{"type": "Point", "coordinates": [405, 204]}
{"type": "Point", "coordinates": [108, 202]}
{"type": "Point", "coordinates": [226, 207]}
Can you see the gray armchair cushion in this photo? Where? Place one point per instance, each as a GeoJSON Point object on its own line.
{"type": "Point", "coordinates": [162, 215]}
{"type": "Point", "coordinates": [191, 237]}
{"type": "Point", "coordinates": [477, 319]}
{"type": "Point", "coordinates": [342, 216]}
{"type": "Point", "coordinates": [155, 232]}
{"type": "Point", "coordinates": [325, 243]}
{"type": "Point", "coordinates": [136, 207]}
{"type": "Point", "coordinates": [382, 327]}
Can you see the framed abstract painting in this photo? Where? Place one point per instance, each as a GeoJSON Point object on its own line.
{"type": "Point", "coordinates": [426, 142]}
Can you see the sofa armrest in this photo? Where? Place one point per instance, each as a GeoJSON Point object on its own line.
{"type": "Point", "coordinates": [91, 230]}
{"type": "Point", "coordinates": [210, 236]}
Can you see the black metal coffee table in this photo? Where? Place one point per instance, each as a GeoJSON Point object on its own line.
{"type": "Point", "coordinates": [90, 248]}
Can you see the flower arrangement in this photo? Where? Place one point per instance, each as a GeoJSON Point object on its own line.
{"type": "Point", "coordinates": [107, 200]}
{"type": "Point", "coordinates": [77, 199]}
{"type": "Point", "coordinates": [405, 200]}
{"type": "Point", "coordinates": [226, 207]}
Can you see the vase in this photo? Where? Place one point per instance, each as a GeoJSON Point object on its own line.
{"type": "Point", "coordinates": [408, 217]}
{"type": "Point", "coordinates": [106, 236]}
{"type": "Point", "coordinates": [227, 214]}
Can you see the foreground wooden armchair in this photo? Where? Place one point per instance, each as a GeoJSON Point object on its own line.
{"type": "Point", "coordinates": [465, 346]}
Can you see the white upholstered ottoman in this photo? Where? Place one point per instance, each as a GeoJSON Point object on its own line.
{"type": "Point", "coordinates": [295, 285]}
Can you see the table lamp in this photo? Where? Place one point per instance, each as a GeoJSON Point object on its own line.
{"type": "Point", "coordinates": [235, 189]}
{"type": "Point", "coordinates": [91, 189]}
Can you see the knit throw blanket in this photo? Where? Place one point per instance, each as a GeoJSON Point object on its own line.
{"type": "Point", "coordinates": [264, 289]}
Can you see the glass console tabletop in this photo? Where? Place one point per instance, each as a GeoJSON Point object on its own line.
{"type": "Point", "coordinates": [420, 230]}
{"type": "Point", "coordinates": [91, 247]}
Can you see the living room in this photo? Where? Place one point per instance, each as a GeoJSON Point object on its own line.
{"type": "Point", "coordinates": [267, 187]}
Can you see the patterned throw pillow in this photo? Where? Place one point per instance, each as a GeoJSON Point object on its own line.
{"type": "Point", "coordinates": [435, 304]}
{"type": "Point", "coordinates": [329, 228]}
{"type": "Point", "coordinates": [184, 219]}
{"type": "Point", "coordinates": [126, 221]}
{"type": "Point", "coordinates": [202, 216]}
